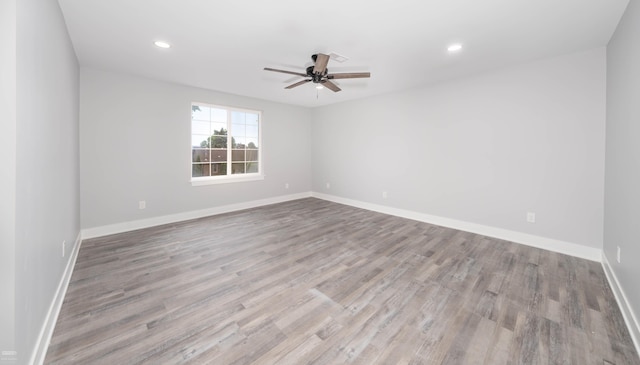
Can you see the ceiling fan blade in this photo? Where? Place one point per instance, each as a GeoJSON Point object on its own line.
{"type": "Point", "coordinates": [321, 63]}
{"type": "Point", "coordinates": [350, 75]}
{"type": "Point", "coordinates": [285, 72]}
{"type": "Point", "coordinates": [297, 84]}
{"type": "Point", "coordinates": [330, 85]}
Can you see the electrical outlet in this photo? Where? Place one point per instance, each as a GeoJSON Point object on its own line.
{"type": "Point", "coordinates": [286, 185]}
{"type": "Point", "coordinates": [64, 244]}
{"type": "Point", "coordinates": [142, 204]}
{"type": "Point", "coordinates": [384, 195]}
{"type": "Point", "coordinates": [531, 217]}
{"type": "Point", "coordinates": [618, 255]}
{"type": "Point", "coordinates": [328, 185]}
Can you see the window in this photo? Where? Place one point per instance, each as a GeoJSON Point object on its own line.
{"type": "Point", "coordinates": [225, 144]}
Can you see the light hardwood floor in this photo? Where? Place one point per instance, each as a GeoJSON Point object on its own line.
{"type": "Point", "coordinates": [314, 282]}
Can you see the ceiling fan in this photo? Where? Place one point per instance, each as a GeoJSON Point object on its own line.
{"type": "Point", "coordinates": [319, 74]}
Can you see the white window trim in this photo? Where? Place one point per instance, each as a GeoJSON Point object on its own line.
{"type": "Point", "coordinates": [226, 179]}
{"type": "Point", "coordinates": [199, 181]}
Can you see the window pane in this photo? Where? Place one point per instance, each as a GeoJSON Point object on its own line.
{"type": "Point", "coordinates": [252, 143]}
{"type": "Point", "coordinates": [252, 131]}
{"type": "Point", "coordinates": [200, 169]}
{"type": "Point", "coordinates": [239, 142]}
{"type": "Point", "coordinates": [238, 168]}
{"type": "Point", "coordinates": [199, 112]}
{"type": "Point", "coordinates": [218, 141]}
{"type": "Point", "coordinates": [199, 141]}
{"type": "Point", "coordinates": [252, 155]}
{"type": "Point", "coordinates": [252, 167]}
{"type": "Point", "coordinates": [237, 155]}
{"type": "Point", "coordinates": [218, 169]}
{"type": "Point", "coordinates": [219, 154]}
{"type": "Point", "coordinates": [199, 155]}
{"type": "Point", "coordinates": [200, 127]}
{"type": "Point", "coordinates": [238, 117]}
{"type": "Point", "coordinates": [219, 129]}
{"type": "Point", "coordinates": [219, 115]}
{"type": "Point", "coordinates": [238, 130]}
{"type": "Point", "coordinates": [251, 119]}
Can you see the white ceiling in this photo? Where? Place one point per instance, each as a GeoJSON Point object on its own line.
{"type": "Point", "coordinates": [224, 45]}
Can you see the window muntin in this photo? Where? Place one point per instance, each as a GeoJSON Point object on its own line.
{"type": "Point", "coordinates": [225, 142]}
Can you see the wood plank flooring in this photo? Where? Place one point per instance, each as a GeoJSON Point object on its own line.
{"type": "Point", "coordinates": [314, 282]}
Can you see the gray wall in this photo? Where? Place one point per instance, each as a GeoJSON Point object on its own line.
{"type": "Point", "coordinates": [7, 172]}
{"type": "Point", "coordinates": [136, 145]}
{"type": "Point", "coordinates": [485, 149]}
{"type": "Point", "coordinates": [622, 177]}
{"type": "Point", "coordinates": [47, 163]}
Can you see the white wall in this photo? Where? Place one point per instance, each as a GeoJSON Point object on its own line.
{"type": "Point", "coordinates": [136, 145]}
{"type": "Point", "coordinates": [485, 150]}
{"type": "Point", "coordinates": [7, 172]}
{"type": "Point", "coordinates": [622, 177]}
{"type": "Point", "coordinates": [47, 164]}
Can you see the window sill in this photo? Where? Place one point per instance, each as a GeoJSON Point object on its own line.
{"type": "Point", "coordinates": [225, 179]}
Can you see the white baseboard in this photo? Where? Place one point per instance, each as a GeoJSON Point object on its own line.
{"type": "Point", "coordinates": [625, 307]}
{"type": "Point", "coordinates": [567, 248]}
{"type": "Point", "coordinates": [44, 337]}
{"type": "Point", "coordinates": [173, 218]}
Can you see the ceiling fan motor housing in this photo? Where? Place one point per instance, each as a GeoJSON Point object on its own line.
{"type": "Point", "coordinates": [316, 78]}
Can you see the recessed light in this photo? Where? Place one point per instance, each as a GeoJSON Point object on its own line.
{"type": "Point", "coordinates": [162, 44]}
{"type": "Point", "coordinates": [454, 47]}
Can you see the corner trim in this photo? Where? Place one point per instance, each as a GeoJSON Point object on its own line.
{"type": "Point", "coordinates": [567, 248]}
{"type": "Point", "coordinates": [625, 307]}
{"type": "Point", "coordinates": [44, 337]}
{"type": "Point", "coordinates": [172, 218]}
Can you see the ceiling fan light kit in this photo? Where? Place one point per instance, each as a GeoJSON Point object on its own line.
{"type": "Point", "coordinates": [319, 74]}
